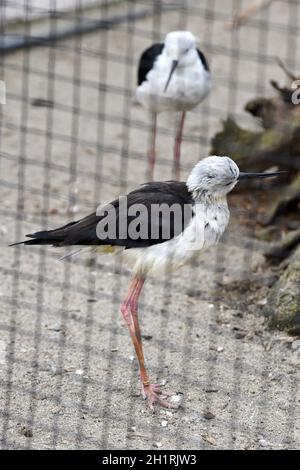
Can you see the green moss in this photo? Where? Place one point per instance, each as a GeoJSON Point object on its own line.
{"type": "Point", "coordinates": [271, 139]}
{"type": "Point", "coordinates": [234, 141]}
{"type": "Point", "coordinates": [283, 307]}
{"type": "Point", "coordinates": [265, 234]}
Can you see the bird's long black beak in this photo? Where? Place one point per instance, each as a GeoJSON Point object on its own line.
{"type": "Point", "coordinates": [247, 176]}
{"type": "Point", "coordinates": [174, 65]}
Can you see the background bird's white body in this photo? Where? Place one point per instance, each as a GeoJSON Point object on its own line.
{"type": "Point", "coordinates": [190, 84]}
{"type": "Point", "coordinates": [172, 76]}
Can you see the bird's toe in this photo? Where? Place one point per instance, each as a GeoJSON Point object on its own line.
{"type": "Point", "coordinates": [153, 393]}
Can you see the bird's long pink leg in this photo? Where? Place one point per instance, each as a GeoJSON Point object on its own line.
{"type": "Point", "coordinates": [129, 309]}
{"type": "Point", "coordinates": [178, 140]}
{"type": "Point", "coordinates": [129, 304]}
{"type": "Point", "coordinates": [152, 149]}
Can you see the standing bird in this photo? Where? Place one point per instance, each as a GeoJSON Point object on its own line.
{"type": "Point", "coordinates": [173, 76]}
{"type": "Point", "coordinates": [196, 218]}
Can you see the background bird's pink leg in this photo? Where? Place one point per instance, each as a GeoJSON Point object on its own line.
{"type": "Point", "coordinates": [178, 140]}
{"type": "Point", "coordinates": [129, 309]}
{"type": "Point", "coordinates": [152, 149]}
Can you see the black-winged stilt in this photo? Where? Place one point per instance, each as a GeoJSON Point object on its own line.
{"type": "Point", "coordinates": [172, 76]}
{"type": "Point", "coordinates": [165, 240]}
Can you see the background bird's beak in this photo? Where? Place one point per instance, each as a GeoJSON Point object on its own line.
{"type": "Point", "coordinates": [246, 176]}
{"type": "Point", "coordinates": [174, 65]}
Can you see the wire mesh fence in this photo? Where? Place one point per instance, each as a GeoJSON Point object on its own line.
{"type": "Point", "coordinates": [72, 136]}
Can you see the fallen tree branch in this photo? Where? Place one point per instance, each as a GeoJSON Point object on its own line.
{"type": "Point", "coordinates": [282, 249]}
{"type": "Point", "coordinates": [286, 197]}
{"type": "Point", "coordinates": [288, 73]}
{"type": "Point", "coordinates": [258, 150]}
{"type": "Point", "coordinates": [241, 17]}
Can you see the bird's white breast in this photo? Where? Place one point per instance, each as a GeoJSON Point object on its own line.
{"type": "Point", "coordinates": [204, 230]}
{"type": "Point", "coordinates": [189, 85]}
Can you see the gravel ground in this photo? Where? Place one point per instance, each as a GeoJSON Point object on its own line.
{"type": "Point", "coordinates": [68, 374]}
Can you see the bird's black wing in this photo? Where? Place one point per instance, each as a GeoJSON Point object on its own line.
{"type": "Point", "coordinates": [147, 60]}
{"type": "Point", "coordinates": [152, 220]}
{"type": "Point", "coordinates": [203, 60]}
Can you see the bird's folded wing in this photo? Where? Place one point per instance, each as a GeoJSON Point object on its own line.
{"type": "Point", "coordinates": [147, 60]}
{"type": "Point", "coordinates": [142, 224]}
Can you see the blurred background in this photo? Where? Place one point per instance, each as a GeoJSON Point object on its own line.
{"type": "Point", "coordinates": [223, 332]}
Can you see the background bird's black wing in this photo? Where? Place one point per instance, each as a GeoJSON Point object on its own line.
{"type": "Point", "coordinates": [147, 208]}
{"type": "Point", "coordinates": [203, 60]}
{"type": "Point", "coordinates": [147, 60]}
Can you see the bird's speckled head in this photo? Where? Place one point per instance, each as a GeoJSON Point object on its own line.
{"type": "Point", "coordinates": [213, 176]}
{"type": "Point", "coordinates": [179, 44]}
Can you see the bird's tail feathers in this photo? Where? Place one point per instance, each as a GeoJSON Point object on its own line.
{"type": "Point", "coordinates": [42, 238]}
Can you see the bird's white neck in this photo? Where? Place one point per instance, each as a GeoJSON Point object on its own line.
{"type": "Point", "coordinates": [201, 196]}
{"type": "Point", "coordinates": [211, 217]}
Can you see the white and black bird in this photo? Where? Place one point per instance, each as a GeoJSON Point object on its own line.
{"type": "Point", "coordinates": [166, 241]}
{"type": "Point", "coordinates": [172, 76]}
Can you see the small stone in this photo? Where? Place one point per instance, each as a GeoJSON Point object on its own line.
{"type": "Point", "coordinates": [147, 337]}
{"type": "Point", "coordinates": [220, 349]}
{"type": "Point", "coordinates": [53, 211]}
{"type": "Point", "coordinates": [73, 209]}
{"type": "Point", "coordinates": [263, 443]}
{"type": "Point", "coordinates": [157, 444]}
{"type": "Point", "coordinates": [209, 439]}
{"type": "Point", "coordinates": [208, 415]}
{"type": "Point", "coordinates": [296, 344]}
{"type": "Point", "coordinates": [164, 423]}
{"type": "Point", "coordinates": [240, 334]}
{"type": "Point", "coordinates": [79, 372]}
{"type": "Point", "coordinates": [176, 399]}
{"type": "Point", "coordinates": [193, 292]}
{"type": "Point", "coordinates": [27, 432]}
